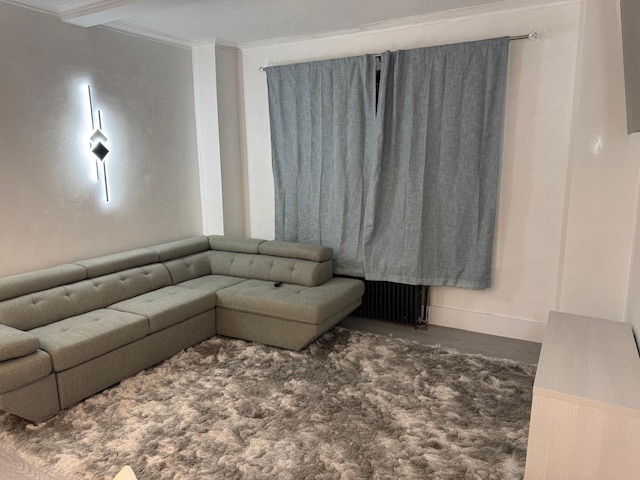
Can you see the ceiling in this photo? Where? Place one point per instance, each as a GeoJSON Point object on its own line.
{"type": "Point", "coordinates": [237, 22]}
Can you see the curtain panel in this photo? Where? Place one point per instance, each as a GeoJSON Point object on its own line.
{"type": "Point", "coordinates": [322, 130]}
{"type": "Point", "coordinates": [406, 193]}
{"type": "Point", "coordinates": [431, 216]}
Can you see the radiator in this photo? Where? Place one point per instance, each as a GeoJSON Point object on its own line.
{"type": "Point", "coordinates": [394, 302]}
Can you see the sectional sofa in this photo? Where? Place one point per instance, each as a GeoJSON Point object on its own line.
{"type": "Point", "coordinates": [70, 331]}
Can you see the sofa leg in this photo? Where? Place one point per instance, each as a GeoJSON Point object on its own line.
{"type": "Point", "coordinates": [35, 402]}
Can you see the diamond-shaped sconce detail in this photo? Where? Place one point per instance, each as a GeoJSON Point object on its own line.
{"type": "Point", "coordinates": [98, 136]}
{"type": "Point", "coordinates": [100, 151]}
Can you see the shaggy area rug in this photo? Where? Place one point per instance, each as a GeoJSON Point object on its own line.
{"type": "Point", "coordinates": [352, 405]}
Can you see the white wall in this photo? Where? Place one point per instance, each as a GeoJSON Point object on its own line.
{"type": "Point", "coordinates": [632, 313]}
{"type": "Point", "coordinates": [538, 131]}
{"type": "Point", "coordinates": [205, 88]}
{"type": "Point", "coordinates": [216, 74]}
{"type": "Point", "coordinates": [605, 164]}
{"type": "Point", "coordinates": [230, 128]}
{"type": "Point", "coordinates": [629, 146]}
{"type": "Point", "coordinates": [52, 209]}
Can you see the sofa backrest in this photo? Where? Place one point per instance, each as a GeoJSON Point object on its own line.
{"type": "Point", "coordinates": [274, 269]}
{"type": "Point", "coordinates": [181, 248]}
{"type": "Point", "coordinates": [308, 265]}
{"type": "Point", "coordinates": [234, 244]}
{"type": "Point", "coordinates": [47, 306]}
{"type": "Point", "coordinates": [315, 253]}
{"type": "Point", "coordinates": [189, 267]}
{"type": "Point", "coordinates": [24, 283]}
{"type": "Point", "coordinates": [116, 262]}
{"type": "Point", "coordinates": [35, 299]}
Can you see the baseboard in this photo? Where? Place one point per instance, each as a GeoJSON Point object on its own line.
{"type": "Point", "coordinates": [501, 326]}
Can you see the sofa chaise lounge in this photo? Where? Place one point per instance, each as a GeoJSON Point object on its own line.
{"type": "Point", "coordinates": [70, 331]}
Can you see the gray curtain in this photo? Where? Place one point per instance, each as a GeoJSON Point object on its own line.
{"type": "Point", "coordinates": [407, 193]}
{"type": "Point", "coordinates": [322, 130]}
{"type": "Point", "coordinates": [431, 212]}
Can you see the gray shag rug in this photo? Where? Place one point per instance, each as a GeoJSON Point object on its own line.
{"type": "Point", "coordinates": [352, 405]}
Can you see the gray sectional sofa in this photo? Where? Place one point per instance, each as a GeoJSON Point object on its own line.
{"type": "Point", "coordinates": [70, 331]}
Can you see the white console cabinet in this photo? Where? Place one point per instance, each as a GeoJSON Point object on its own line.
{"type": "Point", "coordinates": [585, 415]}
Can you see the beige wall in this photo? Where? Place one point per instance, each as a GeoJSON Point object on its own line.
{"type": "Point", "coordinates": [603, 182]}
{"type": "Point", "coordinates": [632, 314]}
{"type": "Point", "coordinates": [537, 148]}
{"type": "Point", "coordinates": [51, 207]}
{"type": "Point", "coordinates": [232, 172]}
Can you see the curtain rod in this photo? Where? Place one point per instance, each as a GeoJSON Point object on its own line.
{"type": "Point", "coordinates": [529, 36]}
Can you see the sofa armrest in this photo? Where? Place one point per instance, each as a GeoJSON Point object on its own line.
{"type": "Point", "coordinates": [15, 343]}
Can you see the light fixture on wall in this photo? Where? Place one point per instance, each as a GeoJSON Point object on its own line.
{"type": "Point", "coordinates": [97, 145]}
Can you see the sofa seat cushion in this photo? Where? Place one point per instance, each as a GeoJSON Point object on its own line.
{"type": "Point", "coordinates": [15, 343]}
{"type": "Point", "coordinates": [18, 372]}
{"type": "Point", "coordinates": [291, 302]}
{"type": "Point", "coordinates": [75, 340]}
{"type": "Point", "coordinates": [212, 283]}
{"type": "Point", "coordinates": [168, 306]}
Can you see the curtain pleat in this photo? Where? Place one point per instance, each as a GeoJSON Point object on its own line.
{"type": "Point", "coordinates": [431, 217]}
{"type": "Point", "coordinates": [405, 190]}
{"type": "Point", "coordinates": [322, 130]}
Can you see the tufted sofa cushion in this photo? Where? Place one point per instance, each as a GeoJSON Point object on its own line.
{"type": "Point", "coordinates": [25, 283]}
{"type": "Point", "coordinates": [291, 302]}
{"type": "Point", "coordinates": [234, 244]}
{"type": "Point", "coordinates": [212, 283]}
{"type": "Point", "coordinates": [273, 269]}
{"type": "Point", "coordinates": [103, 291]}
{"type": "Point", "coordinates": [181, 248]}
{"type": "Point", "coordinates": [36, 309]}
{"type": "Point", "coordinates": [187, 268]}
{"type": "Point", "coordinates": [116, 262]}
{"type": "Point", "coordinates": [316, 253]}
{"type": "Point", "coordinates": [168, 306]}
{"type": "Point", "coordinates": [75, 340]}
{"type": "Point", "coordinates": [42, 308]}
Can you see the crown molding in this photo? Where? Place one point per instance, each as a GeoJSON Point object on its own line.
{"type": "Point", "coordinates": [88, 13]}
{"type": "Point", "coordinates": [71, 9]}
{"type": "Point", "coordinates": [37, 5]}
{"type": "Point", "coordinates": [149, 34]}
{"type": "Point", "coordinates": [416, 20]}
{"type": "Point", "coordinates": [221, 42]}
{"type": "Point", "coordinates": [141, 32]}
{"type": "Point", "coordinates": [68, 8]}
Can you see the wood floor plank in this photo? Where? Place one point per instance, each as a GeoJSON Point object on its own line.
{"type": "Point", "coordinates": [13, 467]}
{"type": "Point", "coordinates": [461, 340]}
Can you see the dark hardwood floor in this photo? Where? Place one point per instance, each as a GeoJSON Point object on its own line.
{"type": "Point", "coordinates": [12, 467]}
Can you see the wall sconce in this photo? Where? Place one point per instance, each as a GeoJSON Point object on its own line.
{"type": "Point", "coordinates": [97, 146]}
